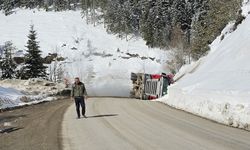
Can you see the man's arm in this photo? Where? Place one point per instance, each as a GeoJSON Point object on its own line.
{"type": "Point", "coordinates": [72, 92]}
{"type": "Point", "coordinates": [85, 92]}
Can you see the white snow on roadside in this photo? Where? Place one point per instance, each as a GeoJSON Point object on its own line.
{"type": "Point", "coordinates": [9, 97]}
{"type": "Point", "coordinates": [26, 92]}
{"type": "Point", "coordinates": [218, 88]}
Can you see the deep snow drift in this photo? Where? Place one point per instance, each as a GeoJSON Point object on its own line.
{"type": "Point", "coordinates": [103, 61]}
{"type": "Point", "coordinates": [218, 86]}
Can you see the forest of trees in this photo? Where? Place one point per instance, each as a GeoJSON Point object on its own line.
{"type": "Point", "coordinates": [58, 5]}
{"type": "Point", "coordinates": [186, 27]}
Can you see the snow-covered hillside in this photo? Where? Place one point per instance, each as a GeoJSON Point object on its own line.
{"type": "Point", "coordinates": [219, 87]}
{"type": "Point", "coordinates": [103, 61]}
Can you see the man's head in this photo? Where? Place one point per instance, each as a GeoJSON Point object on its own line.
{"type": "Point", "coordinates": [77, 80]}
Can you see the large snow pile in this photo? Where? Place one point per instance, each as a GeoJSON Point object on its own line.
{"type": "Point", "coordinates": [103, 61]}
{"type": "Point", "coordinates": [25, 92]}
{"type": "Point", "coordinates": [219, 87]}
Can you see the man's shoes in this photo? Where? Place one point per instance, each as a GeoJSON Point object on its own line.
{"type": "Point", "coordinates": [78, 117]}
{"type": "Point", "coordinates": [84, 116]}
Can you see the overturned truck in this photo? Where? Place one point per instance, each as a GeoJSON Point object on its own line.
{"type": "Point", "coordinates": [150, 86]}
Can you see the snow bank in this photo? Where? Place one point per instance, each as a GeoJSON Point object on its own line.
{"type": "Point", "coordinates": [219, 88]}
{"type": "Point", "coordinates": [91, 53]}
{"type": "Point", "coordinates": [9, 97]}
{"type": "Point", "coordinates": [26, 92]}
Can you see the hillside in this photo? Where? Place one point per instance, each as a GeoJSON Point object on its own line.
{"type": "Point", "coordinates": [102, 60]}
{"type": "Point", "coordinates": [219, 87]}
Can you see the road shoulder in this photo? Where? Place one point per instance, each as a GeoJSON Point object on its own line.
{"type": "Point", "coordinates": [33, 127]}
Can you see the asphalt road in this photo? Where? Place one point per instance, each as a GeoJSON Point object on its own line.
{"type": "Point", "coordinates": [127, 124]}
{"type": "Point", "coordinates": [36, 127]}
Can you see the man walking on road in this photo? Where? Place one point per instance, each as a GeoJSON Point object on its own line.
{"type": "Point", "coordinates": [79, 94]}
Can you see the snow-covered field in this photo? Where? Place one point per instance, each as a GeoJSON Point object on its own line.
{"type": "Point", "coordinates": [91, 53]}
{"type": "Point", "coordinates": [218, 86]}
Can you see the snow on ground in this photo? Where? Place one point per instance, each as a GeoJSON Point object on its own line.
{"type": "Point", "coordinates": [91, 53]}
{"type": "Point", "coordinates": [25, 92]}
{"type": "Point", "coordinates": [218, 87]}
{"type": "Point", "coordinates": [9, 97]}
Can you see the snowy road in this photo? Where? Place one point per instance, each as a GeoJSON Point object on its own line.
{"type": "Point", "coordinates": [126, 124]}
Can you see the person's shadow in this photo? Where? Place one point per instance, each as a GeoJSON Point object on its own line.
{"type": "Point", "coordinates": [101, 116]}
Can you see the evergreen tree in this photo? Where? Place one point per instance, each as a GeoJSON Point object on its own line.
{"type": "Point", "coordinates": [1, 4]}
{"type": "Point", "coordinates": [32, 3]}
{"type": "Point", "coordinates": [156, 22]}
{"type": "Point", "coordinates": [60, 5]}
{"type": "Point", "coordinates": [34, 67]}
{"type": "Point", "coordinates": [114, 19]}
{"type": "Point", "coordinates": [146, 22]}
{"type": "Point", "coordinates": [213, 17]}
{"type": "Point", "coordinates": [8, 6]}
{"type": "Point", "coordinates": [7, 64]}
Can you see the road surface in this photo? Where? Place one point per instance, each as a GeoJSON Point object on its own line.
{"type": "Point", "coordinates": [127, 124]}
{"type": "Point", "coordinates": [36, 127]}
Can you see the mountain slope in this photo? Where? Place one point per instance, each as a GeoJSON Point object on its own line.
{"type": "Point", "coordinates": [103, 61]}
{"type": "Point", "coordinates": [219, 88]}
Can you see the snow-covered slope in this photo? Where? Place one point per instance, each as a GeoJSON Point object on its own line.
{"type": "Point", "coordinates": [92, 53]}
{"type": "Point", "coordinates": [219, 88]}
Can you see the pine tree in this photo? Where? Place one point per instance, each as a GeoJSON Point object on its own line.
{"type": "Point", "coordinates": [155, 22]}
{"type": "Point", "coordinates": [8, 6]}
{"type": "Point", "coordinates": [1, 4]}
{"type": "Point", "coordinates": [214, 16]}
{"type": "Point", "coordinates": [7, 64]}
{"type": "Point", "coordinates": [146, 22]}
{"type": "Point", "coordinates": [30, 3]}
{"type": "Point", "coordinates": [60, 5]}
{"type": "Point", "coordinates": [34, 67]}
